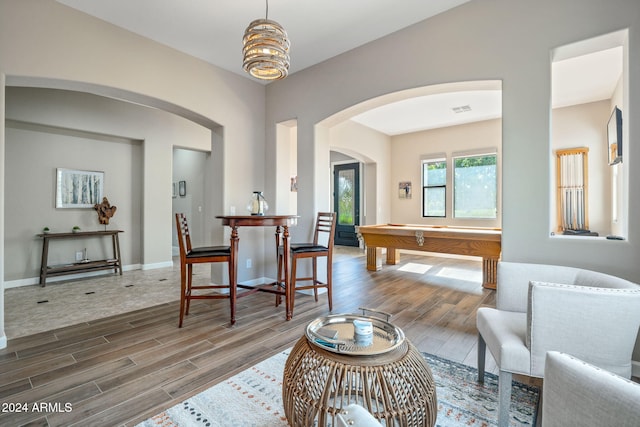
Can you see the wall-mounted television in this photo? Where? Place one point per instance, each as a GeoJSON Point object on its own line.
{"type": "Point", "coordinates": [614, 137]}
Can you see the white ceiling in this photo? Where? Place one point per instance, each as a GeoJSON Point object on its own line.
{"type": "Point", "coordinates": [213, 30]}
{"type": "Point", "coordinates": [433, 111]}
{"type": "Point", "coordinates": [578, 80]}
{"type": "Point", "coordinates": [586, 78]}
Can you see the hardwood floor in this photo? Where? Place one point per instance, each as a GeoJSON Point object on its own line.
{"type": "Point", "coordinates": [123, 369]}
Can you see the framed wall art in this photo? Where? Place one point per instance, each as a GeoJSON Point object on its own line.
{"type": "Point", "coordinates": [404, 189]}
{"type": "Point", "coordinates": [78, 188]}
{"type": "Point", "coordinates": [614, 137]}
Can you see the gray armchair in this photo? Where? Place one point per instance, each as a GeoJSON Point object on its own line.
{"type": "Point", "coordinates": [578, 394]}
{"type": "Point", "coordinates": [541, 308]}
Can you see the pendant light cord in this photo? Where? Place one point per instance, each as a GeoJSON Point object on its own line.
{"type": "Point", "coordinates": [266, 15]}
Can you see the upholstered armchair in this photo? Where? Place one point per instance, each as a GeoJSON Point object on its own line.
{"type": "Point", "coordinates": [541, 308]}
{"type": "Point", "coordinates": [578, 394]}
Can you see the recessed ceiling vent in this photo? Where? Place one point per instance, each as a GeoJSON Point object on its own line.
{"type": "Point", "coordinates": [462, 109]}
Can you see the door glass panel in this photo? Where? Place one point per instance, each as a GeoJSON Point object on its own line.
{"type": "Point", "coordinates": [346, 206]}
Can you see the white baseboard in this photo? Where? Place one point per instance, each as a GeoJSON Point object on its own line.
{"type": "Point", "coordinates": [23, 282]}
{"type": "Point", "coordinates": [166, 264]}
{"type": "Point", "coordinates": [36, 280]}
{"type": "Point", "coordinates": [258, 281]}
{"type": "Point", "coordinates": [3, 341]}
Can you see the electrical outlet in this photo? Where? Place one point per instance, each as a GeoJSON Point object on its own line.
{"type": "Point", "coordinates": [249, 263]}
{"type": "Point", "coordinates": [79, 255]}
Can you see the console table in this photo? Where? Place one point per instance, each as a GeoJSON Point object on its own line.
{"type": "Point", "coordinates": [114, 263]}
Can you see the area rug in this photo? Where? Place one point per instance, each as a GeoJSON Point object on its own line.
{"type": "Point", "coordinates": [254, 398]}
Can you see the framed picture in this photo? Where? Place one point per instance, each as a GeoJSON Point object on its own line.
{"type": "Point", "coordinates": [404, 189]}
{"type": "Point", "coordinates": [614, 137]}
{"type": "Point", "coordinates": [182, 188]}
{"type": "Point", "coordinates": [78, 188]}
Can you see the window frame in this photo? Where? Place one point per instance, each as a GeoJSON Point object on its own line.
{"type": "Point", "coordinates": [454, 158]}
{"type": "Point", "coordinates": [426, 186]}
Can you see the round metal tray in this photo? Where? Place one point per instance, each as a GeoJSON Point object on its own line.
{"type": "Point", "coordinates": [386, 336]}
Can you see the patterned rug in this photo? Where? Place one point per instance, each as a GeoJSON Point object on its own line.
{"type": "Point", "coordinates": [254, 398]}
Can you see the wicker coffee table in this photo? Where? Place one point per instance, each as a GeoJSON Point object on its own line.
{"type": "Point", "coordinates": [389, 377]}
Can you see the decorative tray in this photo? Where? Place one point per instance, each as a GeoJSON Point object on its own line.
{"type": "Point", "coordinates": [336, 333]}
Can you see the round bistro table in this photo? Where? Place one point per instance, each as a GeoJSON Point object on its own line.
{"type": "Point", "coordinates": [389, 378]}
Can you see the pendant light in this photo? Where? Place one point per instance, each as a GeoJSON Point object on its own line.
{"type": "Point", "coordinates": [266, 49]}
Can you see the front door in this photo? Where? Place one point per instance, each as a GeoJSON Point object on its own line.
{"type": "Point", "coordinates": [346, 203]}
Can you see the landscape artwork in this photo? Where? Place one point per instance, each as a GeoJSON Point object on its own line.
{"type": "Point", "coordinates": [78, 188]}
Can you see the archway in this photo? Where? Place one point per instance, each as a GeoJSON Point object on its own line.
{"type": "Point", "coordinates": [384, 164]}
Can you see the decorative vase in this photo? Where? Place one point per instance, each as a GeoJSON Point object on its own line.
{"type": "Point", "coordinates": [257, 205]}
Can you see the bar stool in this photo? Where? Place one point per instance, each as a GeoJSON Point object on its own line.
{"type": "Point", "coordinates": [322, 246]}
{"type": "Point", "coordinates": [189, 256]}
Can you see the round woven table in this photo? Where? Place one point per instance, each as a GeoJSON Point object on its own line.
{"type": "Point", "coordinates": [397, 387]}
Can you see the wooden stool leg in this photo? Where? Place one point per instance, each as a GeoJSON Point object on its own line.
{"type": "Point", "coordinates": [232, 295]}
{"type": "Point", "coordinates": [314, 277]}
{"type": "Point", "coordinates": [279, 256]}
{"type": "Point", "coordinates": [292, 281]}
{"type": "Point", "coordinates": [329, 296]}
{"type": "Point", "coordinates": [189, 283]}
{"type": "Point", "coordinates": [280, 277]}
{"type": "Point", "coordinates": [183, 290]}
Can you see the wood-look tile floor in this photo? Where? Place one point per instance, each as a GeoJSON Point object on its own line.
{"type": "Point", "coordinates": [122, 369]}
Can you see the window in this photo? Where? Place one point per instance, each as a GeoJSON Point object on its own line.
{"type": "Point", "coordinates": [434, 190]}
{"type": "Point", "coordinates": [475, 186]}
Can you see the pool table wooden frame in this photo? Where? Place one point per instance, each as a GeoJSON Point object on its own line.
{"type": "Point", "coordinates": [474, 241]}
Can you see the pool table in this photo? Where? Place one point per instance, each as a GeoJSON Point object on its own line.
{"type": "Point", "coordinates": [475, 241]}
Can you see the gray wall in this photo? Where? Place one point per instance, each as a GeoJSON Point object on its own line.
{"type": "Point", "coordinates": [190, 166]}
{"type": "Point", "coordinates": [585, 126]}
{"type": "Point", "coordinates": [500, 39]}
{"type": "Point", "coordinates": [47, 129]}
{"type": "Point", "coordinates": [481, 40]}
{"type": "Point", "coordinates": [46, 44]}
{"type": "Point", "coordinates": [408, 150]}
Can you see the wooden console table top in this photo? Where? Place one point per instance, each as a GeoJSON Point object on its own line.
{"type": "Point", "coordinates": [79, 234]}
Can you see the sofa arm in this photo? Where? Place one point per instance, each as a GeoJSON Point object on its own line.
{"type": "Point", "coordinates": [579, 394]}
{"type": "Point", "coordinates": [513, 282]}
{"type": "Point", "coordinates": [597, 325]}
